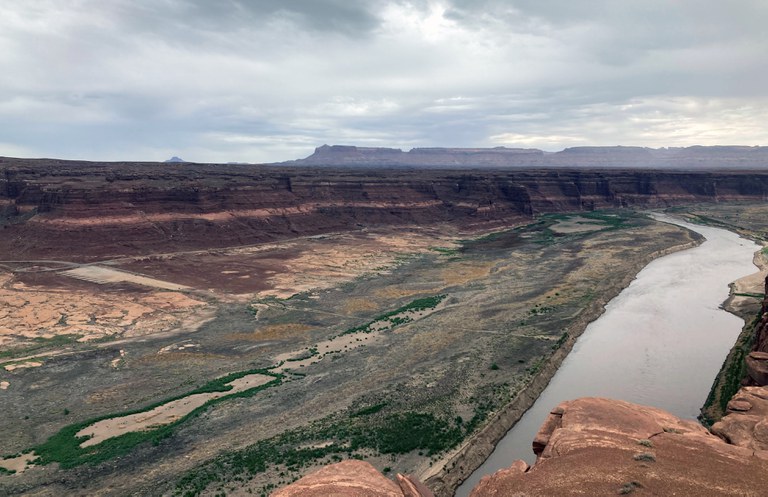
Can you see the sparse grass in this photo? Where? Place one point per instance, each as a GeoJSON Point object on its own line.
{"type": "Point", "coordinates": [310, 353]}
{"type": "Point", "coordinates": [645, 443]}
{"type": "Point", "coordinates": [445, 250]}
{"type": "Point", "coordinates": [40, 344]}
{"type": "Point", "coordinates": [628, 488]}
{"type": "Point", "coordinates": [353, 436]}
{"type": "Point", "coordinates": [392, 317]}
{"type": "Point", "coordinates": [370, 410]}
{"type": "Point", "coordinates": [645, 457]}
{"type": "Point", "coordinates": [560, 341]}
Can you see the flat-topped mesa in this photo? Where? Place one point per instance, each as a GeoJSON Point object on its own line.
{"type": "Point", "coordinates": [347, 155]}
{"type": "Point", "coordinates": [696, 157]}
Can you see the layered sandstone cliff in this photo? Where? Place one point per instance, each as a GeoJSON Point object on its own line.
{"type": "Point", "coordinates": [112, 209]}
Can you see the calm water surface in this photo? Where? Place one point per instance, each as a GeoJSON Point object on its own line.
{"type": "Point", "coordinates": [660, 342]}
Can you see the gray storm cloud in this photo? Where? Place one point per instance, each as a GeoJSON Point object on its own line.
{"type": "Point", "coordinates": [269, 80]}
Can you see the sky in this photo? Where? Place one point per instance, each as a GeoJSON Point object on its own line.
{"type": "Point", "coordinates": [269, 80]}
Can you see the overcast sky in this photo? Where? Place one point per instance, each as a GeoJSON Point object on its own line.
{"type": "Point", "coordinates": [269, 80]}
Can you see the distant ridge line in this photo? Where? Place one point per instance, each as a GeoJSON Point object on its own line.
{"type": "Point", "coordinates": [694, 157]}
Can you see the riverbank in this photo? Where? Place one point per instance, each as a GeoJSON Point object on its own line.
{"type": "Point", "coordinates": [512, 299]}
{"type": "Point", "coordinates": [744, 301]}
{"type": "Point", "coordinates": [445, 476]}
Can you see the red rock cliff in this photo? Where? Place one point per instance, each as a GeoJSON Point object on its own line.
{"type": "Point", "coordinates": [110, 209]}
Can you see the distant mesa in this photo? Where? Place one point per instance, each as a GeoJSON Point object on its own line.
{"type": "Point", "coordinates": [690, 158]}
{"type": "Point", "coordinates": [175, 159]}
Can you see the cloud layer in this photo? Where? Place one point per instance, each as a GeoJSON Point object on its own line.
{"type": "Point", "coordinates": [268, 80]}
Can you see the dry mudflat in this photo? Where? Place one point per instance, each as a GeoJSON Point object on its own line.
{"type": "Point", "coordinates": [378, 337]}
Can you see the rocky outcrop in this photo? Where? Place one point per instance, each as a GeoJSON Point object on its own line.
{"type": "Point", "coordinates": [757, 360]}
{"type": "Point", "coordinates": [352, 479]}
{"type": "Point", "coordinates": [114, 209]}
{"type": "Point", "coordinates": [594, 446]}
{"type": "Point", "coordinates": [609, 447]}
{"type": "Point", "coordinates": [746, 422]}
{"type": "Point", "coordinates": [757, 367]}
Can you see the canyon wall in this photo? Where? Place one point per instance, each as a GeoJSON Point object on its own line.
{"type": "Point", "coordinates": [757, 359]}
{"type": "Point", "coordinates": [112, 209]}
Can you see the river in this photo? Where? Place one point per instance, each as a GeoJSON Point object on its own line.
{"type": "Point", "coordinates": [660, 342]}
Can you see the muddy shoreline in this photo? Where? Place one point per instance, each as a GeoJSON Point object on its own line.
{"type": "Point", "coordinates": [444, 477]}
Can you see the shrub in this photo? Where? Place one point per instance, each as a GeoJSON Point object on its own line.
{"type": "Point", "coordinates": [645, 456]}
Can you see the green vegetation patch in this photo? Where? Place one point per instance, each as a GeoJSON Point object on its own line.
{"type": "Point", "coordinates": [64, 447]}
{"type": "Point", "coordinates": [40, 344]}
{"type": "Point", "coordinates": [728, 380]}
{"type": "Point", "coordinates": [445, 250]}
{"type": "Point", "coordinates": [334, 437]}
{"type": "Point", "coordinates": [560, 341]}
{"type": "Point", "coordinates": [366, 411]}
{"type": "Point", "coordinates": [753, 295]}
{"type": "Point", "coordinates": [393, 317]}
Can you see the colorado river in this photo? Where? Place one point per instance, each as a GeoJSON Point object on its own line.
{"type": "Point", "coordinates": [660, 342]}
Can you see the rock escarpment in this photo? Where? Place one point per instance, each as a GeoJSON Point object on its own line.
{"type": "Point", "coordinates": [594, 446]}
{"type": "Point", "coordinates": [113, 209]}
{"type": "Point", "coordinates": [353, 479]}
{"type": "Point", "coordinates": [757, 360]}
{"type": "Point", "coordinates": [610, 447]}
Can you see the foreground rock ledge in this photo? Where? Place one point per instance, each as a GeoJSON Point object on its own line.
{"type": "Point", "coordinates": [596, 447]}
{"type": "Point", "coordinates": [353, 479]}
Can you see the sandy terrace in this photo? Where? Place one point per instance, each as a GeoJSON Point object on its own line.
{"type": "Point", "coordinates": [326, 265]}
{"type": "Point", "coordinates": [343, 343]}
{"type": "Point", "coordinates": [18, 463]}
{"type": "Point", "coordinates": [334, 345]}
{"type": "Point", "coordinates": [745, 290]}
{"type": "Point", "coordinates": [103, 275]}
{"type": "Point", "coordinates": [576, 224]}
{"type": "Point", "coordinates": [286, 268]}
{"type": "Point", "coordinates": [164, 414]}
{"type": "Point", "coordinates": [42, 312]}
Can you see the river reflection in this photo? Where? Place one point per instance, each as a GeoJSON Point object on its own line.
{"type": "Point", "coordinates": [660, 342]}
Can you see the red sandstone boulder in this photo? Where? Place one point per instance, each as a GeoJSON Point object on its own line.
{"type": "Point", "coordinates": [345, 479]}
{"type": "Point", "coordinates": [608, 447]}
{"type": "Point", "coordinates": [353, 479]}
{"type": "Point", "coordinates": [757, 367]}
{"type": "Point", "coordinates": [746, 426]}
{"type": "Point", "coordinates": [412, 487]}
